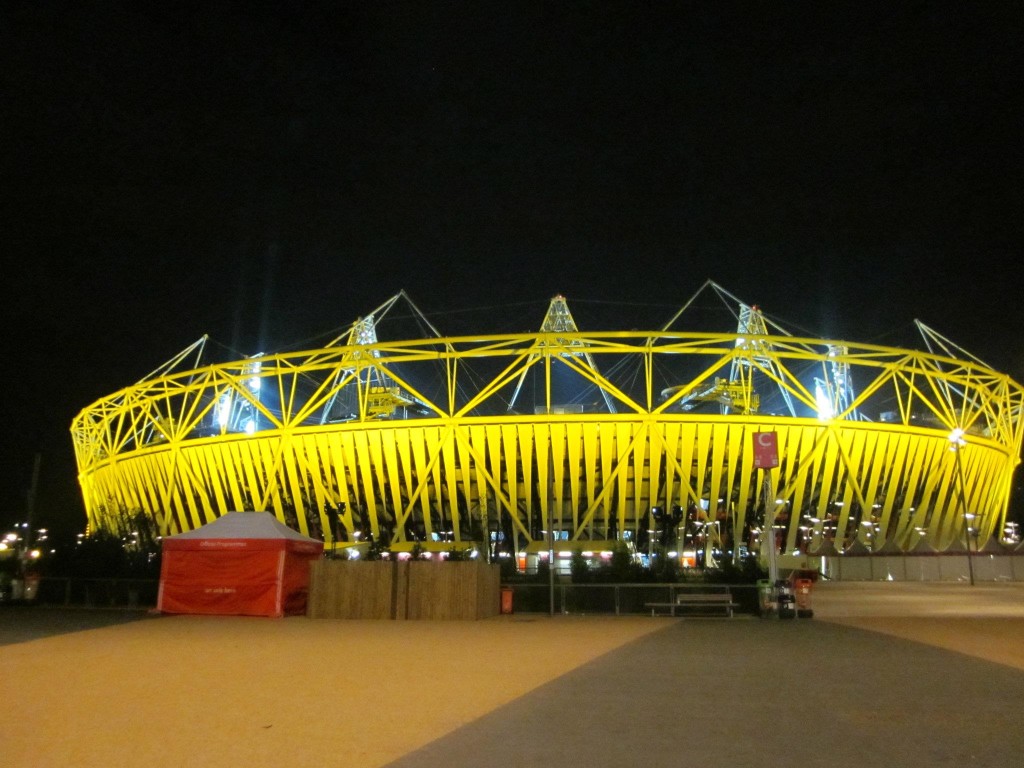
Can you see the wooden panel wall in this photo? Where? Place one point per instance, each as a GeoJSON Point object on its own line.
{"type": "Point", "coordinates": [347, 589]}
{"type": "Point", "coordinates": [462, 590]}
{"type": "Point", "coordinates": [343, 589]}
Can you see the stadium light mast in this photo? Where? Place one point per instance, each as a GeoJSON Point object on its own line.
{"type": "Point", "coordinates": [756, 353]}
{"type": "Point", "coordinates": [839, 381]}
{"type": "Point", "coordinates": [559, 320]}
{"type": "Point", "coordinates": [362, 333]}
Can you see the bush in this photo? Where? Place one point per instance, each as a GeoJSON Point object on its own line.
{"type": "Point", "coordinates": [579, 568]}
{"type": "Point", "coordinates": [665, 570]}
{"type": "Point", "coordinates": [748, 571]}
{"type": "Point", "coordinates": [105, 555]}
{"type": "Point", "coordinates": [622, 568]}
{"type": "Point", "coordinates": [375, 550]}
{"type": "Point", "coordinates": [509, 571]}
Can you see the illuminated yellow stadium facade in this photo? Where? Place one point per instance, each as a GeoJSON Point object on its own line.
{"type": "Point", "coordinates": [445, 442]}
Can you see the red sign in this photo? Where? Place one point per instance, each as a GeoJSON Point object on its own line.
{"type": "Point", "coordinates": [766, 450]}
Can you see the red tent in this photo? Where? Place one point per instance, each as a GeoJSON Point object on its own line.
{"type": "Point", "coordinates": [244, 563]}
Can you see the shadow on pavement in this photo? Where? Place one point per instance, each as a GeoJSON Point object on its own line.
{"type": "Point", "coordinates": [21, 623]}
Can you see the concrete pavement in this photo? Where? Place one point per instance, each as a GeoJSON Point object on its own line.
{"type": "Point", "coordinates": [886, 674]}
{"type": "Point", "coordinates": [840, 691]}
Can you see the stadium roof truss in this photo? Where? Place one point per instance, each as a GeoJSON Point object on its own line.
{"type": "Point", "coordinates": [447, 441]}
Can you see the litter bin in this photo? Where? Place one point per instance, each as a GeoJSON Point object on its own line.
{"type": "Point", "coordinates": [506, 599]}
{"type": "Point", "coordinates": [787, 601]}
{"type": "Point", "coordinates": [765, 597]}
{"type": "Point", "coordinates": [803, 587]}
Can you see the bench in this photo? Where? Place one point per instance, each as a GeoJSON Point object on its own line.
{"type": "Point", "coordinates": [717, 600]}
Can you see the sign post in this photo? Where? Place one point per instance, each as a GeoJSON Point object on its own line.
{"type": "Point", "coordinates": [766, 458]}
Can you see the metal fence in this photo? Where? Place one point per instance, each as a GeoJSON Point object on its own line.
{"type": "Point", "coordinates": [97, 593]}
{"type": "Point", "coordinates": [610, 599]}
{"type": "Point", "coordinates": [618, 599]}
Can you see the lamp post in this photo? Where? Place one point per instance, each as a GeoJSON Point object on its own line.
{"type": "Point", "coordinates": [766, 458]}
{"type": "Point", "coordinates": [956, 442]}
{"type": "Point", "coordinates": [551, 569]}
{"type": "Point", "coordinates": [769, 528]}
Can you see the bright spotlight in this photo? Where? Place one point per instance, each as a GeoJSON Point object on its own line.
{"type": "Point", "coordinates": [823, 402]}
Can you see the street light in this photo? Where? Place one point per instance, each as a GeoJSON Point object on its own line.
{"type": "Point", "coordinates": [956, 442]}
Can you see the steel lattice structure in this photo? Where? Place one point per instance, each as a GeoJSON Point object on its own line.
{"type": "Point", "coordinates": [427, 440]}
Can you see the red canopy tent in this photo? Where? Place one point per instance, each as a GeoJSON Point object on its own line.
{"type": "Point", "coordinates": [243, 563]}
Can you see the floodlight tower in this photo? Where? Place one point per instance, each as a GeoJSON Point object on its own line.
{"type": "Point", "coordinates": [237, 409]}
{"type": "Point", "coordinates": [755, 353]}
{"type": "Point", "coordinates": [559, 320]}
{"type": "Point", "coordinates": [363, 333]}
{"type": "Point", "coordinates": [840, 382]}
{"type": "Point", "coordinates": [378, 394]}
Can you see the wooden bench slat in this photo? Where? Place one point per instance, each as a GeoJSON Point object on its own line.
{"type": "Point", "coordinates": [720, 599]}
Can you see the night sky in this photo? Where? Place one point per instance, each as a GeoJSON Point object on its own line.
{"type": "Point", "coordinates": [267, 173]}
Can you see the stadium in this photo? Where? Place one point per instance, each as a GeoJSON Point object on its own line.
{"type": "Point", "coordinates": [567, 439]}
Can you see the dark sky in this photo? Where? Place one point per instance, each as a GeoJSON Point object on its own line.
{"type": "Point", "coordinates": [266, 173]}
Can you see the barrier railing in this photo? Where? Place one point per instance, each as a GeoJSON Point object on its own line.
{"type": "Point", "coordinates": [97, 593]}
{"type": "Point", "coordinates": [617, 599]}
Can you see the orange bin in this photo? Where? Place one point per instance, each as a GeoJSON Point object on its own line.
{"type": "Point", "coordinates": [802, 588]}
{"type": "Point", "coordinates": [506, 600]}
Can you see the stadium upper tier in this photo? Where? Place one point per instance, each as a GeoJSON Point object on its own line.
{"type": "Point", "coordinates": [596, 436]}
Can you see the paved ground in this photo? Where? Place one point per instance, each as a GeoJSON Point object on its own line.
{"type": "Point", "coordinates": [886, 674]}
{"type": "Point", "coordinates": [20, 623]}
